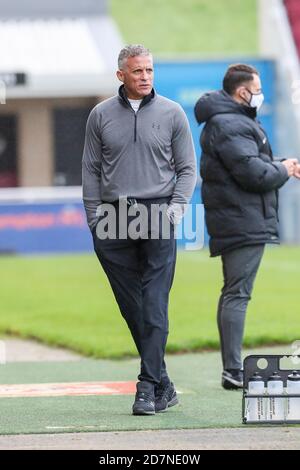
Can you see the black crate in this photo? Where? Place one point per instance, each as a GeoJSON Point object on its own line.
{"type": "Point", "coordinates": [264, 401]}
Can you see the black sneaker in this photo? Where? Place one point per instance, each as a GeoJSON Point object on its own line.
{"type": "Point", "coordinates": [165, 397]}
{"type": "Point", "coordinates": [232, 379]}
{"type": "Point", "coordinates": [144, 403]}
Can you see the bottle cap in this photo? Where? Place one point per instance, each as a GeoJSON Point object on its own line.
{"type": "Point", "coordinates": [294, 376]}
{"type": "Point", "coordinates": [256, 377]}
{"type": "Point", "coordinates": [274, 376]}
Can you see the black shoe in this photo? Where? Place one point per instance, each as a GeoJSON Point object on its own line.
{"type": "Point", "coordinates": [165, 397]}
{"type": "Point", "coordinates": [232, 379]}
{"type": "Point", "coordinates": [144, 403]}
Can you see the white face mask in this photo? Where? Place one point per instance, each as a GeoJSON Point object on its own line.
{"type": "Point", "coordinates": [256, 100]}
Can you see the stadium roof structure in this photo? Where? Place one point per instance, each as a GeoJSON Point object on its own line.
{"type": "Point", "coordinates": [55, 49]}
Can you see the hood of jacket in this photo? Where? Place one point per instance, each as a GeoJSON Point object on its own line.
{"type": "Point", "coordinates": [219, 102]}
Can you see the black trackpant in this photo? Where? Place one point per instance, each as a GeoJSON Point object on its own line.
{"type": "Point", "coordinates": [140, 273]}
{"type": "Point", "coordinates": [240, 267]}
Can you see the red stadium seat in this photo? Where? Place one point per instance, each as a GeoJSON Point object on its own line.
{"type": "Point", "coordinates": [290, 3]}
{"type": "Point", "coordinates": [293, 8]}
{"type": "Point", "coordinates": [295, 22]}
{"type": "Point", "coordinates": [293, 11]}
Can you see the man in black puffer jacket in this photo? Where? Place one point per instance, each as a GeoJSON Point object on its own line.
{"type": "Point", "coordinates": [240, 195]}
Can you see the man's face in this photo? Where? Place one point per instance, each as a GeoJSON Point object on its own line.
{"type": "Point", "coordinates": [253, 87]}
{"type": "Point", "coordinates": [137, 76]}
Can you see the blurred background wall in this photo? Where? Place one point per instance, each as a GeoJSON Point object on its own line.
{"type": "Point", "coordinates": [58, 59]}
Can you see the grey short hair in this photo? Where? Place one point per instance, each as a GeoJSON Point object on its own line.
{"type": "Point", "coordinates": [132, 50]}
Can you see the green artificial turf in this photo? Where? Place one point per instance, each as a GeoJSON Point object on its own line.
{"type": "Point", "coordinates": [66, 300]}
{"type": "Point", "coordinates": [202, 401]}
{"type": "Point", "coordinates": [199, 27]}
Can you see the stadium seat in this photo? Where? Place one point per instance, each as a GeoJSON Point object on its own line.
{"type": "Point", "coordinates": [293, 11]}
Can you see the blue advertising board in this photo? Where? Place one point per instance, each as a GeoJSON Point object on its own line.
{"type": "Point", "coordinates": [185, 82]}
{"type": "Point", "coordinates": [43, 228]}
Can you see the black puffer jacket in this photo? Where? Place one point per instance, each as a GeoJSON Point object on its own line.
{"type": "Point", "coordinates": [240, 178]}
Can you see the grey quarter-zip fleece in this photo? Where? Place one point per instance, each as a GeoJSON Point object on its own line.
{"type": "Point", "coordinates": [142, 155]}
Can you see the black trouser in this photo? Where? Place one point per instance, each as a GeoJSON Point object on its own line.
{"type": "Point", "coordinates": [240, 267]}
{"type": "Point", "coordinates": [140, 273]}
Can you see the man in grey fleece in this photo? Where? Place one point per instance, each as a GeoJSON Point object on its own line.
{"type": "Point", "coordinates": [138, 148]}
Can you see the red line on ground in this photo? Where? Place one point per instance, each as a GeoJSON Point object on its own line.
{"type": "Point", "coordinates": [67, 389]}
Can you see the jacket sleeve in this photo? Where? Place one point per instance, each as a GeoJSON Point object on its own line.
{"type": "Point", "coordinates": [91, 169]}
{"type": "Point", "coordinates": [183, 154]}
{"type": "Point", "coordinates": [252, 170]}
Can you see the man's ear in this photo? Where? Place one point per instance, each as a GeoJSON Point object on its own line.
{"type": "Point", "coordinates": [120, 75]}
{"type": "Point", "coordinates": [240, 92]}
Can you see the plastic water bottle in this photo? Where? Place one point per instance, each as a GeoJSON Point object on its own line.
{"type": "Point", "coordinates": [275, 404]}
{"type": "Point", "coordinates": [293, 403]}
{"type": "Point", "coordinates": [256, 406]}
